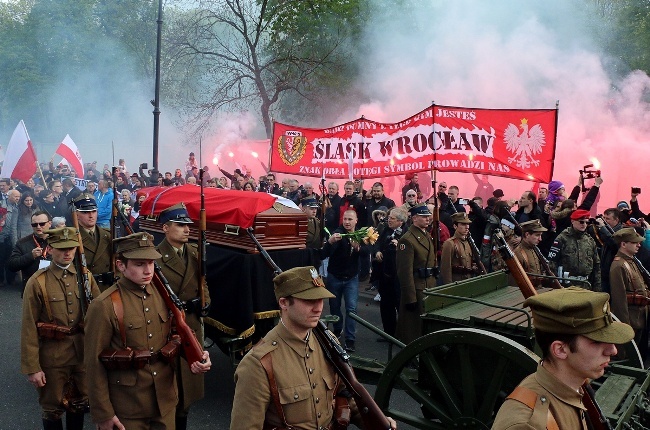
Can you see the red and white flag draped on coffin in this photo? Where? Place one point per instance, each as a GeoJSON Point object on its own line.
{"type": "Point", "coordinates": [512, 143]}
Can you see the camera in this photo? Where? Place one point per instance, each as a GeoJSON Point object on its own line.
{"type": "Point", "coordinates": [463, 201]}
{"type": "Point", "coordinates": [144, 166]}
{"type": "Point", "coordinates": [588, 172]}
{"type": "Point", "coordinates": [636, 190]}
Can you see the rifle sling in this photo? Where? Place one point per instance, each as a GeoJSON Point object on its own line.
{"type": "Point", "coordinates": [528, 397]}
{"type": "Point", "coordinates": [118, 308]}
{"type": "Point", "coordinates": [41, 284]}
{"type": "Point", "coordinates": [267, 364]}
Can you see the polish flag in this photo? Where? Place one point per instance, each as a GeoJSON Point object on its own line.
{"type": "Point", "coordinates": [68, 150]}
{"type": "Point", "coordinates": [20, 158]}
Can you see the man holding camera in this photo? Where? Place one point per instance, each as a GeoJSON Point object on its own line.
{"type": "Point", "coordinates": [180, 265]}
{"type": "Point", "coordinates": [416, 261]}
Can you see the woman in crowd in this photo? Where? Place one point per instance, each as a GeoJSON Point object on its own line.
{"type": "Point", "coordinates": [22, 222]}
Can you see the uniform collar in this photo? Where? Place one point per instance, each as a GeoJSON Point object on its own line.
{"type": "Point", "coordinates": [300, 346]}
{"type": "Point", "coordinates": [459, 237]}
{"type": "Point", "coordinates": [128, 285]}
{"type": "Point", "coordinates": [558, 389]}
{"type": "Point", "coordinates": [58, 272]}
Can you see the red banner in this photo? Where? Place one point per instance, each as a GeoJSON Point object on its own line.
{"type": "Point", "coordinates": [512, 143]}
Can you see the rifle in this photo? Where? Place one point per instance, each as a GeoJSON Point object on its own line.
{"type": "Point", "coordinates": [323, 206]}
{"type": "Point", "coordinates": [542, 259]}
{"type": "Point", "coordinates": [476, 254]}
{"type": "Point", "coordinates": [191, 347]}
{"type": "Point", "coordinates": [371, 416]}
{"type": "Point", "coordinates": [83, 280]}
{"type": "Point", "coordinates": [436, 216]}
{"type": "Point", "coordinates": [596, 416]}
{"type": "Point", "coordinates": [203, 240]}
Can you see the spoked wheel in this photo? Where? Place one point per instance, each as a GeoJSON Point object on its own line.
{"type": "Point", "coordinates": [455, 378]}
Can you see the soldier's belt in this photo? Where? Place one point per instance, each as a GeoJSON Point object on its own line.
{"type": "Point", "coordinates": [637, 299]}
{"type": "Point", "coordinates": [465, 270]}
{"type": "Point", "coordinates": [426, 272]}
{"type": "Point", "coordinates": [57, 332]}
{"type": "Point", "coordinates": [134, 359]}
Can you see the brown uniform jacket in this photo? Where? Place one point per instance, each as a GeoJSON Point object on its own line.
{"type": "Point", "coordinates": [98, 253]}
{"type": "Point", "coordinates": [564, 403]}
{"type": "Point", "coordinates": [133, 394]}
{"type": "Point", "coordinates": [456, 252]}
{"type": "Point", "coordinates": [305, 379]}
{"type": "Point", "coordinates": [63, 296]}
{"type": "Point", "coordinates": [624, 277]}
{"type": "Point", "coordinates": [314, 239]}
{"type": "Point", "coordinates": [529, 260]}
{"type": "Point", "coordinates": [415, 250]}
{"type": "Point", "coordinates": [184, 281]}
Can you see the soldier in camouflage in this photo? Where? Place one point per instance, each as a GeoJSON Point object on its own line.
{"type": "Point", "coordinates": [575, 251]}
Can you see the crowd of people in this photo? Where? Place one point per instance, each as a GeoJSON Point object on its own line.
{"type": "Point", "coordinates": [401, 248]}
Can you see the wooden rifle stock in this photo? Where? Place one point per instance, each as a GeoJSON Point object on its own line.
{"type": "Point", "coordinates": [596, 417]}
{"type": "Point", "coordinates": [191, 347]}
{"type": "Point", "coordinates": [518, 272]}
{"type": "Point", "coordinates": [371, 416]}
{"type": "Point", "coordinates": [83, 280]}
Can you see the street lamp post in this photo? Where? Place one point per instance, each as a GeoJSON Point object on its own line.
{"type": "Point", "coordinates": [153, 179]}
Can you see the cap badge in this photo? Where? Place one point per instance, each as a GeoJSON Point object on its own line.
{"type": "Point", "coordinates": [65, 233]}
{"type": "Point", "coordinates": [315, 278]}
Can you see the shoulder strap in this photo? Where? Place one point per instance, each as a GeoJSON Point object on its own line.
{"type": "Point", "coordinates": [267, 364]}
{"type": "Point", "coordinates": [118, 308]}
{"type": "Point", "coordinates": [41, 284]}
{"type": "Point", "coordinates": [528, 397]}
{"type": "Point", "coordinates": [524, 257]}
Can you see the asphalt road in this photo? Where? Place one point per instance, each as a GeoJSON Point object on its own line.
{"type": "Point", "coordinates": [18, 400]}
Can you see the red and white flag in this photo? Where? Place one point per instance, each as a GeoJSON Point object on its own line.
{"type": "Point", "coordinates": [20, 158]}
{"type": "Point", "coordinates": [70, 153]}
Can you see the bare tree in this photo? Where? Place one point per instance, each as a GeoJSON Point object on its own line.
{"type": "Point", "coordinates": [236, 54]}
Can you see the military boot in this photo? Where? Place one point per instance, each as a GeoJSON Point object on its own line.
{"type": "Point", "coordinates": [74, 421]}
{"type": "Point", "coordinates": [52, 424]}
{"type": "Point", "coordinates": [181, 423]}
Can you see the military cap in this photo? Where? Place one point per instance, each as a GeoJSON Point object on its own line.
{"type": "Point", "coordinates": [533, 226]}
{"type": "Point", "coordinates": [301, 283]}
{"type": "Point", "coordinates": [64, 237]}
{"type": "Point", "coordinates": [580, 214]}
{"type": "Point", "coordinates": [627, 234]}
{"type": "Point", "coordinates": [460, 217]}
{"type": "Point", "coordinates": [309, 202]}
{"type": "Point", "coordinates": [85, 202]}
{"type": "Point", "coordinates": [574, 310]}
{"type": "Point", "coordinates": [136, 245]}
{"type": "Point", "coordinates": [177, 213]}
{"type": "Point", "coordinates": [420, 209]}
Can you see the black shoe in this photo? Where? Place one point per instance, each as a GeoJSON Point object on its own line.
{"type": "Point", "coordinates": [52, 424]}
{"type": "Point", "coordinates": [349, 346]}
{"type": "Point", "coordinates": [382, 339]}
{"type": "Point", "coordinates": [74, 421]}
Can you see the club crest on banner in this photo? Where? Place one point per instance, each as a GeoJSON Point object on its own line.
{"type": "Point", "coordinates": [525, 144]}
{"type": "Point", "coordinates": [291, 147]}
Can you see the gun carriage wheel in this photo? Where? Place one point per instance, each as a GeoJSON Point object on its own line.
{"type": "Point", "coordinates": [463, 375]}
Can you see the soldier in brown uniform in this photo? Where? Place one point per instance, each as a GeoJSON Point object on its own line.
{"type": "Point", "coordinates": [180, 265]}
{"type": "Point", "coordinates": [96, 241]}
{"type": "Point", "coordinates": [577, 334]}
{"type": "Point", "coordinates": [305, 381]}
{"type": "Point", "coordinates": [314, 239]}
{"type": "Point", "coordinates": [525, 252]}
{"type": "Point", "coordinates": [456, 263]}
{"type": "Point", "coordinates": [416, 270]}
{"type": "Point", "coordinates": [628, 289]}
{"type": "Point", "coordinates": [132, 394]}
{"type": "Point", "coordinates": [52, 355]}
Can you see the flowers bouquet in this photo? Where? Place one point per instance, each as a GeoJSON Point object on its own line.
{"type": "Point", "coordinates": [367, 235]}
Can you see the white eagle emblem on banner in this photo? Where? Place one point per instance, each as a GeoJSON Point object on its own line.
{"type": "Point", "coordinates": [525, 144]}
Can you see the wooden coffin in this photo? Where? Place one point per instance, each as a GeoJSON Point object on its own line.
{"type": "Point", "coordinates": [277, 228]}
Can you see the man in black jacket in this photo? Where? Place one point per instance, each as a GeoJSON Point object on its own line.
{"type": "Point", "coordinates": [332, 205]}
{"type": "Point", "coordinates": [30, 250]}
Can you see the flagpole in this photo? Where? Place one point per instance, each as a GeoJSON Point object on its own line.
{"type": "Point", "coordinates": [41, 172]}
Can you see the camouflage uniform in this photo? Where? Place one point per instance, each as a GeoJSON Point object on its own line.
{"type": "Point", "coordinates": [576, 252]}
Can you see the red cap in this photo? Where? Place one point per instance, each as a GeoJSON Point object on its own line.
{"type": "Point", "coordinates": [409, 176]}
{"type": "Point", "coordinates": [580, 214]}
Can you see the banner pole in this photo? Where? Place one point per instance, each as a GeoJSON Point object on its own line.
{"type": "Point", "coordinates": [434, 180]}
